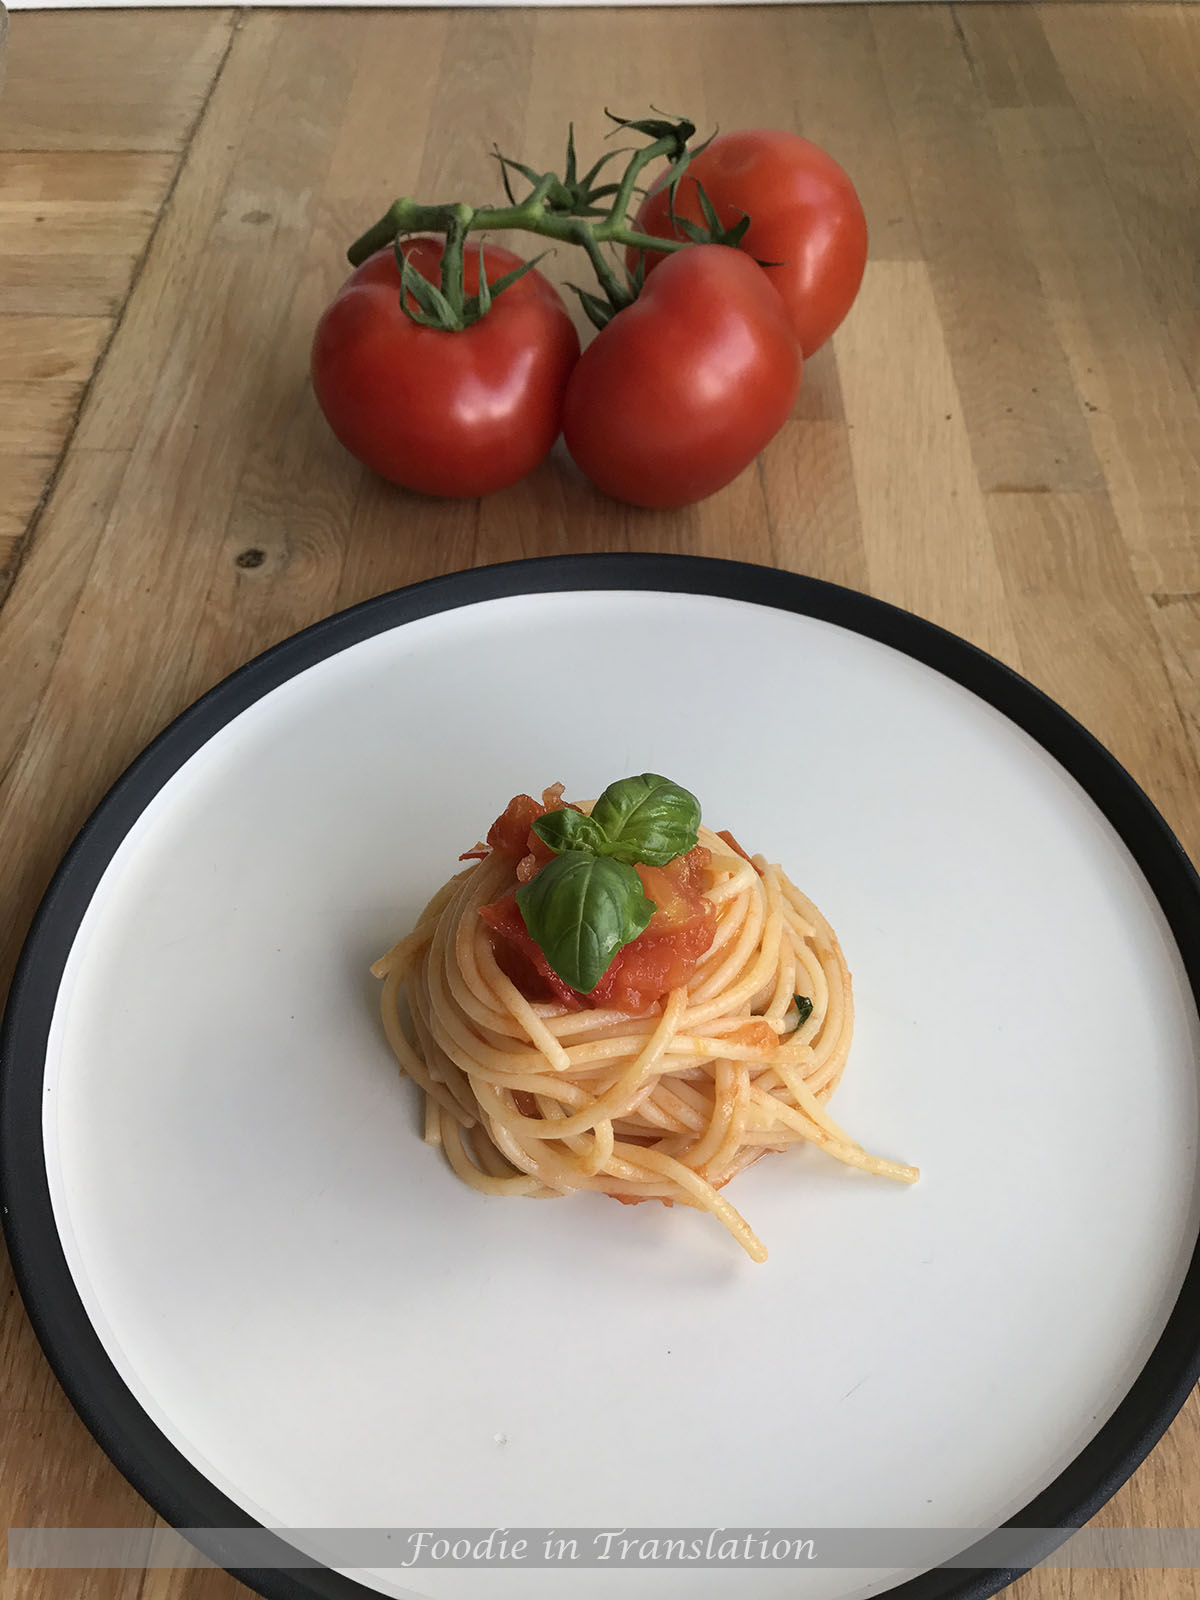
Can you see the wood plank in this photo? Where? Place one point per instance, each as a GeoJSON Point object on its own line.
{"type": "Point", "coordinates": [201, 1584]}
{"type": "Point", "coordinates": [840, 102]}
{"type": "Point", "coordinates": [26, 1381]}
{"type": "Point", "coordinates": [72, 227]}
{"type": "Point", "coordinates": [1086, 638]}
{"type": "Point", "coordinates": [1022, 411]}
{"type": "Point", "coordinates": [555, 511]}
{"type": "Point", "coordinates": [924, 522]}
{"type": "Point", "coordinates": [1176, 621]}
{"type": "Point", "coordinates": [128, 180]}
{"type": "Point", "coordinates": [812, 504]}
{"type": "Point", "coordinates": [45, 349]}
{"type": "Point", "coordinates": [1010, 55]}
{"type": "Point", "coordinates": [1142, 412]}
{"type": "Point", "coordinates": [10, 553]}
{"type": "Point", "coordinates": [732, 520]}
{"type": "Point", "coordinates": [48, 590]}
{"type": "Point", "coordinates": [34, 417]}
{"type": "Point", "coordinates": [51, 1461]}
{"type": "Point", "coordinates": [1168, 39]}
{"type": "Point", "coordinates": [820, 397]}
{"type": "Point", "coordinates": [116, 408]}
{"type": "Point", "coordinates": [105, 81]}
{"type": "Point", "coordinates": [398, 538]}
{"type": "Point", "coordinates": [74, 286]}
{"type": "Point", "coordinates": [22, 479]}
{"type": "Point", "coordinates": [1145, 126]}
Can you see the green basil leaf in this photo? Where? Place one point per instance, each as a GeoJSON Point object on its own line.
{"type": "Point", "coordinates": [648, 819]}
{"type": "Point", "coordinates": [570, 830]}
{"type": "Point", "coordinates": [580, 910]}
{"type": "Point", "coordinates": [804, 1007]}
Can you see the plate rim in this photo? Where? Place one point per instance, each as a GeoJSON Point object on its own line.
{"type": "Point", "coordinates": [179, 1491]}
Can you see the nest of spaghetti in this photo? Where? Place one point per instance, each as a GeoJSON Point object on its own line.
{"type": "Point", "coordinates": [533, 1089]}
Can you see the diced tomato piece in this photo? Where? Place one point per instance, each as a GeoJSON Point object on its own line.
{"type": "Point", "coordinates": [520, 960]}
{"type": "Point", "coordinates": [661, 959]}
{"type": "Point", "coordinates": [732, 843]}
{"type": "Point", "coordinates": [509, 834]}
{"type": "Point", "coordinates": [512, 832]}
{"type": "Point", "coordinates": [664, 957]}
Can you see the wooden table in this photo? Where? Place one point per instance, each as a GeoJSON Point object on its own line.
{"type": "Point", "coordinates": [1004, 437]}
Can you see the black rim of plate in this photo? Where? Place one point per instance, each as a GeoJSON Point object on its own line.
{"type": "Point", "coordinates": [172, 1485]}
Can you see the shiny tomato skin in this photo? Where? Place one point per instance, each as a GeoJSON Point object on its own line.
{"type": "Point", "coordinates": [456, 414]}
{"type": "Point", "coordinates": [806, 221]}
{"type": "Point", "coordinates": [684, 387]}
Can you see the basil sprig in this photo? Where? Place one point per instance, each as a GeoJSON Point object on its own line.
{"type": "Point", "coordinates": [647, 819]}
{"type": "Point", "coordinates": [588, 902]}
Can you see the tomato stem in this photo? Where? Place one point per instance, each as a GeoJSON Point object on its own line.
{"type": "Point", "coordinates": [566, 210]}
{"type": "Point", "coordinates": [458, 220]}
{"type": "Point", "coordinates": [641, 159]}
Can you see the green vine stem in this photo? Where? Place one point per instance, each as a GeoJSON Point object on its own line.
{"type": "Point", "coordinates": [551, 210]}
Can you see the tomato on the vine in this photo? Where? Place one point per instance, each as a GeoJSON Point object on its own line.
{"type": "Point", "coordinates": [684, 387]}
{"type": "Point", "coordinates": [453, 413]}
{"type": "Point", "coordinates": [807, 226]}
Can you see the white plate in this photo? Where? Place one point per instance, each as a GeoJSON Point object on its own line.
{"type": "Point", "coordinates": [271, 1301]}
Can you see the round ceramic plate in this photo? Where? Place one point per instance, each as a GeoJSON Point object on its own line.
{"type": "Point", "coordinates": [272, 1303]}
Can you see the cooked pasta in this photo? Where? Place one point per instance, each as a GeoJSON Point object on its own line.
{"type": "Point", "coordinates": [529, 1096]}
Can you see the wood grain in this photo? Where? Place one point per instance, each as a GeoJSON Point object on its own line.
{"type": "Point", "coordinates": [925, 529]}
{"type": "Point", "coordinates": [1004, 436]}
{"type": "Point", "coordinates": [1141, 409]}
{"type": "Point", "coordinates": [22, 478]}
{"type": "Point", "coordinates": [90, 82]}
{"type": "Point", "coordinates": [94, 118]}
{"type": "Point", "coordinates": [1025, 423]}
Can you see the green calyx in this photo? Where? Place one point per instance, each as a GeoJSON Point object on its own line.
{"type": "Point", "coordinates": [588, 210]}
{"type": "Point", "coordinates": [448, 307]}
{"type": "Point", "coordinates": [589, 902]}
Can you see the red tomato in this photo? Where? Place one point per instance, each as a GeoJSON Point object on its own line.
{"type": "Point", "coordinates": [657, 961]}
{"type": "Point", "coordinates": [805, 219]}
{"type": "Point", "coordinates": [683, 388]}
{"type": "Point", "coordinates": [665, 956]}
{"type": "Point", "coordinates": [520, 960]}
{"type": "Point", "coordinates": [512, 832]}
{"type": "Point", "coordinates": [448, 413]}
